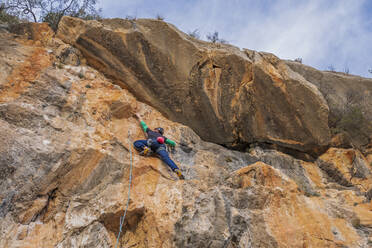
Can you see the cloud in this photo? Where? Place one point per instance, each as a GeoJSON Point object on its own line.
{"type": "Point", "coordinates": [322, 33]}
{"type": "Point", "coordinates": [319, 32]}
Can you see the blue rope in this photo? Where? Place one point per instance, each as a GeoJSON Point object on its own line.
{"type": "Point", "coordinates": [122, 218]}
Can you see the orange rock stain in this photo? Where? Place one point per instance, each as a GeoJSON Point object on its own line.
{"type": "Point", "coordinates": [22, 76]}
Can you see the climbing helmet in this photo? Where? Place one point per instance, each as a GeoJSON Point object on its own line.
{"type": "Point", "coordinates": [160, 129]}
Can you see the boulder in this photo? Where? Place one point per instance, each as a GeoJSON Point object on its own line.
{"type": "Point", "coordinates": [226, 95]}
{"type": "Point", "coordinates": [40, 32]}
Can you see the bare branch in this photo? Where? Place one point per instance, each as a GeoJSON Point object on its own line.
{"type": "Point", "coordinates": [51, 11]}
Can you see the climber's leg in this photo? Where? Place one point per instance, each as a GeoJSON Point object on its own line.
{"type": "Point", "coordinates": [166, 159]}
{"type": "Point", "coordinates": [141, 146]}
{"type": "Point", "coordinates": [163, 154]}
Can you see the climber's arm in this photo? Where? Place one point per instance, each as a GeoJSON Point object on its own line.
{"type": "Point", "coordinates": [143, 124]}
{"type": "Point", "coordinates": [170, 142]}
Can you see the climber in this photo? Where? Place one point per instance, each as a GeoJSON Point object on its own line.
{"type": "Point", "coordinates": [156, 143]}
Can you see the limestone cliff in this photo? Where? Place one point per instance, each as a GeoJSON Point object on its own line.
{"type": "Point", "coordinates": [226, 95]}
{"type": "Point", "coordinates": [66, 128]}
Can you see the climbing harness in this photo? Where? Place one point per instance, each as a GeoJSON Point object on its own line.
{"type": "Point", "coordinates": [122, 218]}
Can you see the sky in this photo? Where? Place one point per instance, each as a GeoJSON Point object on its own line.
{"type": "Point", "coordinates": [324, 33]}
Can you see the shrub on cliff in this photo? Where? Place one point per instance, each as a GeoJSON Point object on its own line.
{"type": "Point", "coordinates": [215, 39]}
{"type": "Point", "coordinates": [52, 11]}
{"type": "Point", "coordinates": [53, 18]}
{"type": "Point", "coordinates": [352, 120]}
{"type": "Point", "coordinates": [160, 17]}
{"type": "Point", "coordinates": [5, 17]}
{"type": "Point", "coordinates": [195, 34]}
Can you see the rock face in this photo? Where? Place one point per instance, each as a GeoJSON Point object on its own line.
{"type": "Point", "coordinates": [227, 96]}
{"type": "Point", "coordinates": [66, 132]}
{"type": "Point", "coordinates": [348, 98]}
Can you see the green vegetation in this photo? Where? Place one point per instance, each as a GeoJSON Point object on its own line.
{"type": "Point", "coordinates": [6, 17]}
{"type": "Point", "coordinates": [50, 11]}
{"type": "Point", "coordinates": [160, 17]}
{"type": "Point", "coordinates": [213, 37]}
{"type": "Point", "coordinates": [351, 120]}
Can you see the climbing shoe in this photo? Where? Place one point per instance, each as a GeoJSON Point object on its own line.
{"type": "Point", "coordinates": [179, 174]}
{"type": "Point", "coordinates": [146, 151]}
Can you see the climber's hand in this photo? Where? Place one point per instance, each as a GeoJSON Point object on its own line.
{"type": "Point", "coordinates": [172, 148]}
{"type": "Point", "coordinates": [137, 116]}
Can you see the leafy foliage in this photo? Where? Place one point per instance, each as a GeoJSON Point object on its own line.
{"type": "Point", "coordinates": [25, 9]}
{"type": "Point", "coordinates": [52, 11]}
{"type": "Point", "coordinates": [352, 120]}
{"type": "Point", "coordinates": [6, 17]}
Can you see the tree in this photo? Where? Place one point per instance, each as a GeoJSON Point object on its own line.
{"type": "Point", "coordinates": [215, 39]}
{"type": "Point", "coordinates": [6, 17]}
{"type": "Point", "coordinates": [52, 11]}
{"type": "Point", "coordinates": [352, 121]}
{"type": "Point", "coordinates": [160, 17]}
{"type": "Point", "coordinates": [195, 34]}
{"type": "Point", "coordinates": [331, 68]}
{"type": "Point", "coordinates": [23, 8]}
{"type": "Point", "coordinates": [370, 70]}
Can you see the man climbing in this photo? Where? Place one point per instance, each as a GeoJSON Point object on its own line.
{"type": "Point", "coordinates": [156, 143]}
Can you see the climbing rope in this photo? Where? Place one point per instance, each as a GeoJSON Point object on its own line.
{"type": "Point", "coordinates": [122, 218]}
